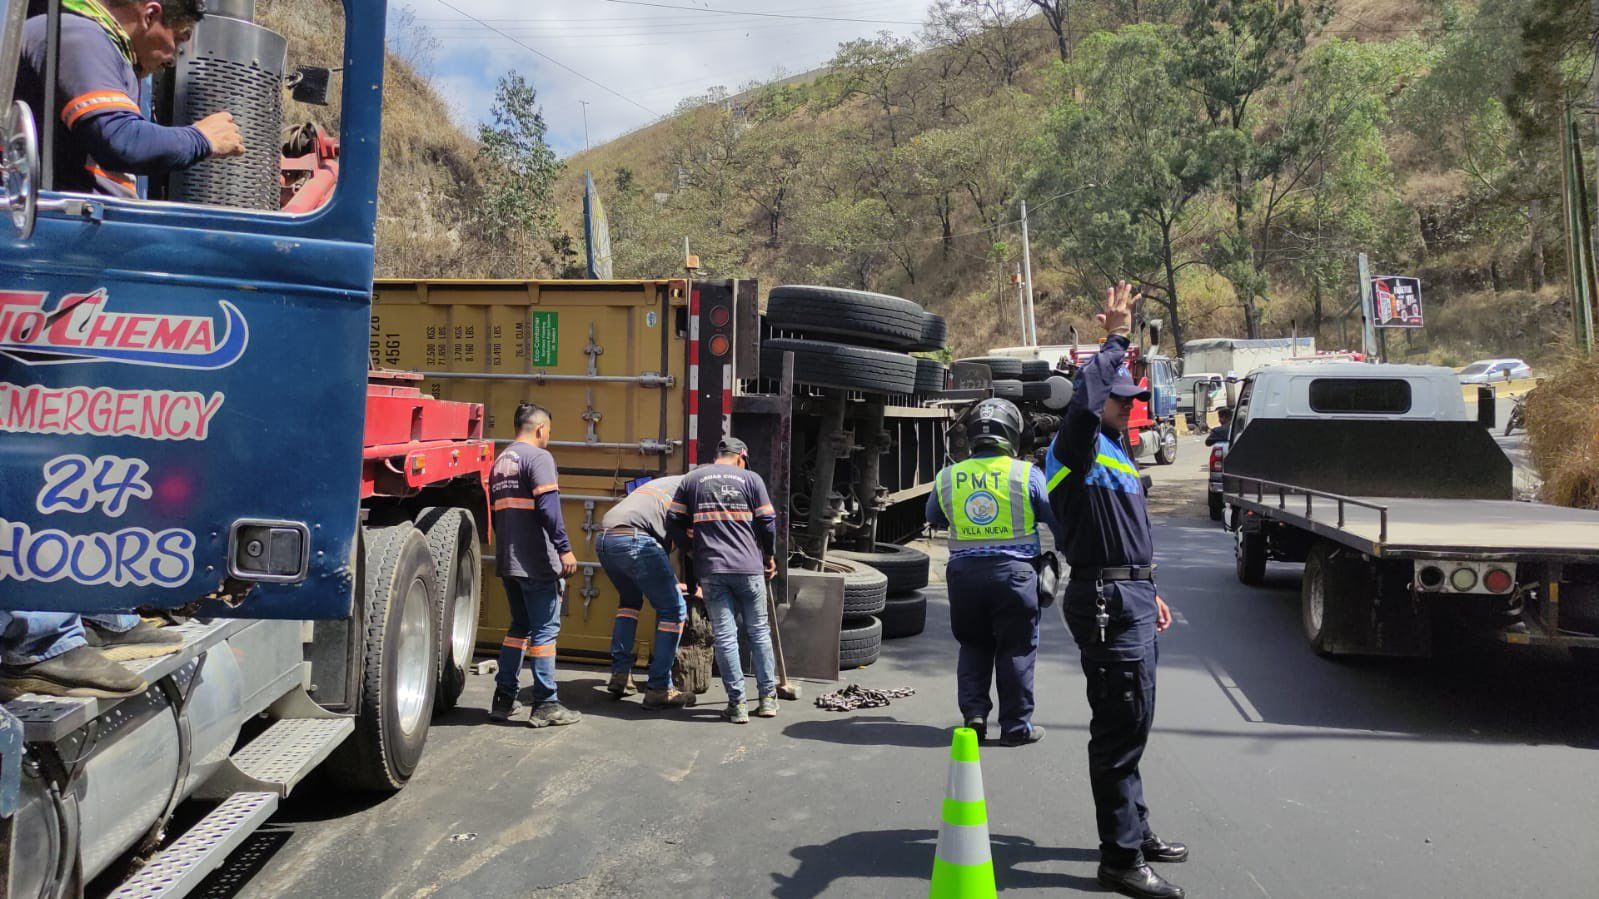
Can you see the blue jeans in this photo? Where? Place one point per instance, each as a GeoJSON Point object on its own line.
{"type": "Point", "coordinates": [641, 569]}
{"type": "Point", "coordinates": [729, 597]}
{"type": "Point", "coordinates": [535, 623]}
{"type": "Point", "coordinates": [30, 637]}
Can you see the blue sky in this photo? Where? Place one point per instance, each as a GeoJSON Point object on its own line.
{"type": "Point", "coordinates": [647, 58]}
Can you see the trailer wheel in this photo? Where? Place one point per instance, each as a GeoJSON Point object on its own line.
{"type": "Point", "coordinates": [865, 588]}
{"type": "Point", "coordinates": [930, 375]}
{"type": "Point", "coordinates": [1249, 556]}
{"type": "Point", "coordinates": [1329, 583]}
{"type": "Point", "coordinates": [904, 616]}
{"type": "Point", "coordinates": [998, 366]}
{"type": "Point", "coordinates": [1035, 369]}
{"type": "Point", "coordinates": [1166, 445]}
{"type": "Point", "coordinates": [399, 670]}
{"type": "Point", "coordinates": [935, 333]}
{"type": "Point", "coordinates": [825, 364]}
{"type": "Point", "coordinates": [457, 562]}
{"type": "Point", "coordinates": [905, 568]}
{"type": "Point", "coordinates": [853, 316]}
{"type": "Point", "coordinates": [860, 642]}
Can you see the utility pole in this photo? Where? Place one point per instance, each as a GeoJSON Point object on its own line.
{"type": "Point", "coordinates": [1030, 326]}
{"type": "Point", "coordinates": [1021, 301]}
{"type": "Point", "coordinates": [585, 105]}
{"type": "Point", "coordinates": [1368, 327]}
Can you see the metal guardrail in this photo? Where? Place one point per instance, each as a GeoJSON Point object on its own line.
{"type": "Point", "coordinates": [1283, 491]}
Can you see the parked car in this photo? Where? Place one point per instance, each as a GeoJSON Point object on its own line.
{"type": "Point", "coordinates": [1486, 371]}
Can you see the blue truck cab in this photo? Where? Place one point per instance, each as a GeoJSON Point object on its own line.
{"type": "Point", "coordinates": [186, 424]}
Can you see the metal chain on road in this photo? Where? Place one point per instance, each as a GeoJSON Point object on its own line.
{"type": "Point", "coordinates": [856, 696]}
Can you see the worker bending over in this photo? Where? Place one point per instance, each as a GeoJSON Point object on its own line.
{"type": "Point", "coordinates": [632, 547]}
{"type": "Point", "coordinates": [992, 503]}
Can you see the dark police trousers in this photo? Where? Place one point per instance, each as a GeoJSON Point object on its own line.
{"type": "Point", "coordinates": [993, 612]}
{"type": "Point", "coordinates": [1120, 675]}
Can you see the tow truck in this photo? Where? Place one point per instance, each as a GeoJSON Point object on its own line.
{"type": "Point", "coordinates": [190, 426]}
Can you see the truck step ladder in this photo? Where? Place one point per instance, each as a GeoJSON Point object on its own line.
{"type": "Point", "coordinates": [279, 758]}
{"type": "Point", "coordinates": [181, 867]}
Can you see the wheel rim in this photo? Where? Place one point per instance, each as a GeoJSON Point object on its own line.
{"type": "Point", "coordinates": [1318, 602]}
{"type": "Point", "coordinates": [411, 662]}
{"type": "Point", "coordinates": [462, 636]}
{"type": "Point", "coordinates": [1170, 441]}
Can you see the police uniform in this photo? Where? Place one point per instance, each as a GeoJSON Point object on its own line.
{"type": "Point", "coordinates": [992, 504]}
{"type": "Point", "coordinates": [1110, 607]}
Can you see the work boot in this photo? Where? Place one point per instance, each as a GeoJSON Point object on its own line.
{"type": "Point", "coordinates": [1156, 849]}
{"type": "Point", "coordinates": [766, 707]}
{"type": "Point", "coordinates": [143, 641]}
{"type": "Point", "coordinates": [621, 685]}
{"type": "Point", "coordinates": [737, 712]}
{"type": "Point", "coordinates": [503, 706]}
{"type": "Point", "coordinates": [80, 671]}
{"type": "Point", "coordinates": [1139, 882]}
{"type": "Point", "coordinates": [1032, 734]}
{"type": "Point", "coordinates": [980, 725]}
{"type": "Point", "coordinates": [553, 714]}
{"type": "Point", "coordinates": [667, 698]}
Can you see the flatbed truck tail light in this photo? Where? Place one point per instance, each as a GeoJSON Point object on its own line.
{"type": "Point", "coordinates": [1215, 458]}
{"type": "Point", "coordinates": [1498, 580]}
{"type": "Point", "coordinates": [1431, 577]}
{"type": "Point", "coordinates": [1463, 579]}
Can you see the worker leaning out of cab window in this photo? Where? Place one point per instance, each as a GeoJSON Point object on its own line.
{"type": "Point", "coordinates": [992, 504]}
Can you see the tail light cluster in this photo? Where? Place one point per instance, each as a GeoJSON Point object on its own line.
{"type": "Point", "coordinates": [1465, 577]}
{"type": "Point", "coordinates": [1216, 455]}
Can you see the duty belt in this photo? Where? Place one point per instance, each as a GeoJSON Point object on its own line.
{"type": "Point", "coordinates": [625, 531]}
{"type": "Point", "coordinates": [1118, 573]}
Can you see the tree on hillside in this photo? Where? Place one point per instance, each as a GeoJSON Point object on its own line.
{"type": "Point", "coordinates": [1230, 52]}
{"type": "Point", "coordinates": [1058, 15]}
{"type": "Point", "coordinates": [1126, 162]}
{"type": "Point", "coordinates": [878, 69]}
{"type": "Point", "coordinates": [519, 174]}
{"type": "Point", "coordinates": [991, 32]}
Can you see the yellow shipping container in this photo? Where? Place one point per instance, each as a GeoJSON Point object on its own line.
{"type": "Point", "coordinates": [605, 357]}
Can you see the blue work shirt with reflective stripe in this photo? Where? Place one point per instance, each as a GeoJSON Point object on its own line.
{"type": "Point", "coordinates": [1037, 494]}
{"type": "Point", "coordinates": [1093, 487]}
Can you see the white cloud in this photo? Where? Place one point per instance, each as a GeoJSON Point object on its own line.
{"type": "Point", "coordinates": [651, 57]}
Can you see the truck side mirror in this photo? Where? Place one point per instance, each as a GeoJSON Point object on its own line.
{"type": "Point", "coordinates": [309, 84]}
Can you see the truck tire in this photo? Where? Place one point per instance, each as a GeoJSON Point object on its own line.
{"type": "Point", "coordinates": [998, 366]}
{"type": "Point", "coordinates": [904, 567]}
{"type": "Point", "coordinates": [825, 364]}
{"type": "Point", "coordinates": [853, 316]}
{"type": "Point", "coordinates": [1218, 510]}
{"type": "Point", "coordinates": [904, 616]}
{"type": "Point", "coordinates": [1035, 369]}
{"type": "Point", "coordinates": [398, 663]}
{"type": "Point", "coordinates": [865, 588]}
{"type": "Point", "coordinates": [1166, 448]}
{"type": "Point", "coordinates": [458, 564]}
{"type": "Point", "coordinates": [860, 642]}
{"type": "Point", "coordinates": [1330, 581]}
{"type": "Point", "coordinates": [935, 333]}
{"type": "Point", "coordinates": [1249, 556]}
{"type": "Point", "coordinates": [930, 375]}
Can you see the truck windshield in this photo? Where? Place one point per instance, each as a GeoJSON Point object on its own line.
{"type": "Point", "coordinates": [1372, 396]}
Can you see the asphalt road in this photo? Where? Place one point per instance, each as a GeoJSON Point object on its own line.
{"type": "Point", "coordinates": [1288, 775]}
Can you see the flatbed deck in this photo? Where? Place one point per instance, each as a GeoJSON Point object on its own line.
{"type": "Point", "coordinates": [1466, 529]}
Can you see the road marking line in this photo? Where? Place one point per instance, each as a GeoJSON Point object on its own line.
{"type": "Point", "coordinates": [1235, 694]}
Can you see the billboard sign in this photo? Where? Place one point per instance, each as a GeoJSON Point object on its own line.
{"type": "Point", "coordinates": [596, 231]}
{"type": "Point", "coordinates": [1397, 301]}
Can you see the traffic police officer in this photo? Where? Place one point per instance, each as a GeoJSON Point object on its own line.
{"type": "Point", "coordinates": [1111, 606]}
{"type": "Point", "coordinates": [992, 503]}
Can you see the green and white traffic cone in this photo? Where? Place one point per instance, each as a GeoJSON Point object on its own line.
{"type": "Point", "coordinates": [963, 867]}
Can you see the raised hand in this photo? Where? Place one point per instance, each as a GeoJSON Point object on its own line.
{"type": "Point", "coordinates": [1118, 315]}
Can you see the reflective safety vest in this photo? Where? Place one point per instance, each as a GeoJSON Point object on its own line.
{"type": "Point", "coordinates": [985, 499]}
{"type": "Point", "coordinates": [1111, 469]}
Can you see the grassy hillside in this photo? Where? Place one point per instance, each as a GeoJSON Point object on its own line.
{"type": "Point", "coordinates": [900, 172]}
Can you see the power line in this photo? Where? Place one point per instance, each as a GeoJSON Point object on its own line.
{"type": "Point", "coordinates": [764, 15]}
{"type": "Point", "coordinates": [552, 60]}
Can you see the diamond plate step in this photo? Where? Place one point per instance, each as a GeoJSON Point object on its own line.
{"type": "Point", "coordinates": [280, 757]}
{"type": "Point", "coordinates": [183, 865]}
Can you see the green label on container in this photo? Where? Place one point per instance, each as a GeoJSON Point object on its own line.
{"type": "Point", "coordinates": [546, 338]}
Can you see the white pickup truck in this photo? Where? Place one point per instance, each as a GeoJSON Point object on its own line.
{"type": "Point", "coordinates": [1400, 505]}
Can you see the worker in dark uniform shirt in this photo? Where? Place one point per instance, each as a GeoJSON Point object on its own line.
{"type": "Point", "coordinates": [103, 139]}
{"type": "Point", "coordinates": [1218, 434]}
{"type": "Point", "coordinates": [1111, 606]}
{"type": "Point", "coordinates": [992, 503]}
{"type": "Point", "coordinates": [734, 543]}
{"type": "Point", "coordinates": [632, 548]}
{"type": "Point", "coordinates": [532, 556]}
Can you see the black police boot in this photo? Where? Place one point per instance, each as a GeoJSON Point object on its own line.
{"type": "Point", "coordinates": [979, 725]}
{"type": "Point", "coordinates": [1032, 734]}
{"type": "Point", "coordinates": [1139, 882]}
{"type": "Point", "coordinates": [1158, 850]}
{"type": "Point", "coordinates": [503, 706]}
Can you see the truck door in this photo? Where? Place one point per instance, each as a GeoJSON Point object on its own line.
{"type": "Point", "coordinates": [182, 385]}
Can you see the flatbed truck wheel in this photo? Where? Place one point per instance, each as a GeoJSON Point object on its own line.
{"type": "Point", "coordinates": [1330, 583]}
{"type": "Point", "coordinates": [1249, 556]}
{"type": "Point", "coordinates": [1166, 445]}
{"type": "Point", "coordinates": [399, 670]}
{"type": "Point", "coordinates": [457, 563]}
{"type": "Point", "coordinates": [1218, 510]}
